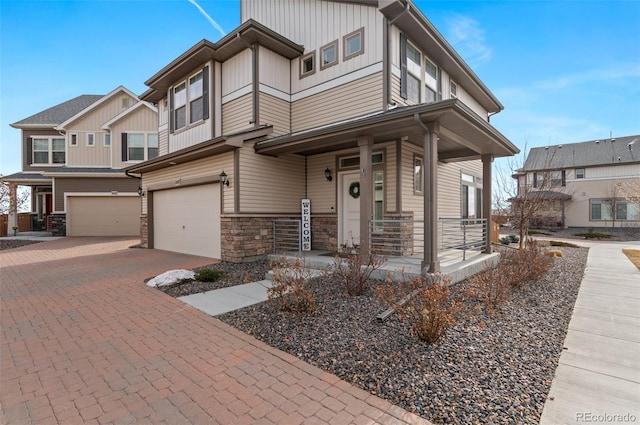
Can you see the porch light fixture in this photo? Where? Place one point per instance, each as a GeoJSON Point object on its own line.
{"type": "Point", "coordinates": [327, 174]}
{"type": "Point", "coordinates": [224, 179]}
{"type": "Point", "coordinates": [140, 191]}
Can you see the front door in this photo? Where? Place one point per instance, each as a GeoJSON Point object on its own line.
{"type": "Point", "coordinates": [349, 209]}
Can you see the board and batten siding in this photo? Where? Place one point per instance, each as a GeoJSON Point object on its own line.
{"type": "Point", "coordinates": [346, 101]}
{"type": "Point", "coordinates": [275, 112]}
{"type": "Point", "coordinates": [201, 168]}
{"type": "Point", "coordinates": [82, 155]}
{"type": "Point", "coordinates": [274, 71]}
{"type": "Point", "coordinates": [94, 120]}
{"type": "Point", "coordinates": [237, 73]}
{"type": "Point", "coordinates": [315, 23]}
{"type": "Point", "coordinates": [142, 120]}
{"type": "Point", "coordinates": [91, 185]}
{"type": "Point", "coordinates": [270, 184]}
{"type": "Point", "coordinates": [237, 114]}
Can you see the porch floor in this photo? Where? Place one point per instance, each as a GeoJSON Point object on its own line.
{"type": "Point", "coordinates": [453, 263]}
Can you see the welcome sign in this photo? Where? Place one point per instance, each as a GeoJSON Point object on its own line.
{"type": "Point", "coordinates": [306, 225]}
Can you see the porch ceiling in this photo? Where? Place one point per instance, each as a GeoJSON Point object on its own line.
{"type": "Point", "coordinates": [463, 135]}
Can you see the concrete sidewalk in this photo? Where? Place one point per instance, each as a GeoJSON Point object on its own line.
{"type": "Point", "coordinates": [223, 300]}
{"type": "Point", "coordinates": [598, 375]}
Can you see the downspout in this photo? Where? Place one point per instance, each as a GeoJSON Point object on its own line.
{"type": "Point", "coordinates": [387, 59]}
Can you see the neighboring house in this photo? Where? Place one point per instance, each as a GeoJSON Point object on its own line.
{"type": "Point", "coordinates": [586, 184]}
{"type": "Point", "coordinates": [361, 107]}
{"type": "Point", "coordinates": [73, 155]}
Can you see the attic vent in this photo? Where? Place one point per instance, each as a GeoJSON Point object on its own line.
{"type": "Point", "coordinates": [597, 141]}
{"type": "Point", "coordinates": [559, 146]}
{"type": "Point", "coordinates": [125, 102]}
{"type": "Point", "coordinates": [613, 140]}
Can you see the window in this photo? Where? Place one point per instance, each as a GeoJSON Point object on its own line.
{"type": "Point", "coordinates": [430, 95]}
{"type": "Point", "coordinates": [307, 64]}
{"type": "Point", "coordinates": [471, 196]}
{"type": "Point", "coordinates": [418, 176]}
{"type": "Point", "coordinates": [353, 44]}
{"type": "Point", "coordinates": [413, 89]}
{"type": "Point", "coordinates": [107, 139]}
{"type": "Point", "coordinates": [557, 179]}
{"type": "Point", "coordinates": [430, 70]}
{"type": "Point", "coordinates": [189, 100]}
{"type": "Point", "coordinates": [413, 59]}
{"type": "Point", "coordinates": [329, 55]}
{"type": "Point", "coordinates": [378, 200]}
{"type": "Point", "coordinates": [354, 161]}
{"type": "Point", "coordinates": [603, 210]}
{"type": "Point", "coordinates": [73, 141]}
{"type": "Point", "coordinates": [579, 173]}
{"type": "Point", "coordinates": [430, 81]}
{"type": "Point", "coordinates": [139, 146]}
{"type": "Point", "coordinates": [453, 87]}
{"type": "Point", "coordinates": [91, 139]}
{"type": "Point", "coordinates": [48, 150]}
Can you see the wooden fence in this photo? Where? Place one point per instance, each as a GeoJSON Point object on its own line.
{"type": "Point", "coordinates": [24, 224]}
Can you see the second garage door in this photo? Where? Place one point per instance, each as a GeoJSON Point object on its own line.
{"type": "Point", "coordinates": [103, 216]}
{"type": "Point", "coordinates": [187, 220]}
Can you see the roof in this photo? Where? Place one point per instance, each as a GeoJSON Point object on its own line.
{"type": "Point", "coordinates": [45, 176]}
{"type": "Point", "coordinates": [55, 115]}
{"type": "Point", "coordinates": [103, 99]}
{"type": "Point", "coordinates": [620, 150]}
{"type": "Point", "coordinates": [548, 195]}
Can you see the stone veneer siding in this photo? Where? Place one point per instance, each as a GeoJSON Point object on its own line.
{"type": "Point", "coordinates": [144, 231]}
{"type": "Point", "coordinates": [59, 224]}
{"type": "Point", "coordinates": [324, 233]}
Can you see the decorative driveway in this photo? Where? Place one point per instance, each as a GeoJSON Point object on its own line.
{"type": "Point", "coordinates": [85, 341]}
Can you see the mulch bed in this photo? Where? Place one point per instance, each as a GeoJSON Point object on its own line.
{"type": "Point", "coordinates": [15, 243]}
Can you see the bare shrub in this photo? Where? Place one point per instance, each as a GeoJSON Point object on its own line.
{"type": "Point", "coordinates": [354, 271]}
{"type": "Point", "coordinates": [491, 286]}
{"type": "Point", "coordinates": [290, 286]}
{"type": "Point", "coordinates": [425, 303]}
{"type": "Point", "coordinates": [526, 265]}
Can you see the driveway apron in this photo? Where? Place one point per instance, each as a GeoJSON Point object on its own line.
{"type": "Point", "coordinates": [85, 341]}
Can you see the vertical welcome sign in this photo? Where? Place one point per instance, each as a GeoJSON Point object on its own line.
{"type": "Point", "coordinates": [306, 225]}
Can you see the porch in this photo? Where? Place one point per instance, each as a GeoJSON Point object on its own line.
{"type": "Point", "coordinates": [461, 247]}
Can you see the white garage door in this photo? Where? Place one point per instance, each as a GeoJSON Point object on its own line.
{"type": "Point", "coordinates": [187, 220]}
{"type": "Point", "coordinates": [103, 216]}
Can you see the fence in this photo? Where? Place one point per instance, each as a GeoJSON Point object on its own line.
{"type": "Point", "coordinates": [24, 224]}
{"type": "Point", "coordinates": [287, 237]}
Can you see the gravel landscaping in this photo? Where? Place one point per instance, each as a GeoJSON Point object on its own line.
{"type": "Point", "coordinates": [488, 369]}
{"type": "Point", "coordinates": [15, 243]}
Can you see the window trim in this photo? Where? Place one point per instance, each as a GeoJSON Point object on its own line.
{"type": "Point", "coordinates": [49, 151]}
{"type": "Point", "coordinates": [584, 173]}
{"type": "Point", "coordinates": [346, 56]}
{"type": "Point", "coordinates": [333, 44]}
{"type": "Point", "coordinates": [191, 99]}
{"type": "Point", "coordinates": [453, 89]}
{"type": "Point", "coordinates": [73, 139]}
{"type": "Point", "coordinates": [126, 146]}
{"type": "Point", "coordinates": [91, 136]}
{"type": "Point", "coordinates": [188, 100]}
{"type": "Point", "coordinates": [303, 59]}
{"type": "Point", "coordinates": [470, 183]}
{"type": "Point", "coordinates": [418, 191]}
{"type": "Point", "coordinates": [104, 140]}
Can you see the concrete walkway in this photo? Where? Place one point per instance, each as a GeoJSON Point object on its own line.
{"type": "Point", "coordinates": [223, 300]}
{"type": "Point", "coordinates": [598, 375]}
{"type": "Point", "coordinates": [84, 341]}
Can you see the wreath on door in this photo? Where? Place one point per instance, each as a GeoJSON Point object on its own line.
{"type": "Point", "coordinates": [354, 190]}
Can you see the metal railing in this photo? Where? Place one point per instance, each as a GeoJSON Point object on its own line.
{"type": "Point", "coordinates": [404, 238]}
{"type": "Point", "coordinates": [287, 237]}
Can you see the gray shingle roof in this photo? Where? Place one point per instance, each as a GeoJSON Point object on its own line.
{"type": "Point", "coordinates": [61, 112]}
{"type": "Point", "coordinates": [620, 150]}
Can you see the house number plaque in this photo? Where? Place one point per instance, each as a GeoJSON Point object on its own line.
{"type": "Point", "coordinates": [305, 229]}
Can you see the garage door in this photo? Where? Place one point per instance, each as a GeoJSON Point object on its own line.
{"type": "Point", "coordinates": [187, 220]}
{"type": "Point", "coordinates": [103, 216]}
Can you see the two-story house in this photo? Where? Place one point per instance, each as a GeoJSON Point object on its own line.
{"type": "Point", "coordinates": [586, 184]}
{"type": "Point", "coordinates": [360, 107]}
{"type": "Point", "coordinates": [73, 155]}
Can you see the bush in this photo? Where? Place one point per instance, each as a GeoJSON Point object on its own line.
{"type": "Point", "coordinates": [525, 265]}
{"type": "Point", "coordinates": [208, 275]}
{"type": "Point", "coordinates": [354, 272]}
{"type": "Point", "coordinates": [491, 286]}
{"type": "Point", "coordinates": [593, 235]}
{"type": "Point", "coordinates": [513, 239]}
{"type": "Point", "coordinates": [290, 286]}
{"type": "Point", "coordinates": [505, 240]}
{"type": "Point", "coordinates": [565, 244]}
{"type": "Point", "coordinates": [425, 303]}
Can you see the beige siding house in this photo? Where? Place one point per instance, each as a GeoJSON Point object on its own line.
{"type": "Point", "coordinates": [320, 100]}
{"type": "Point", "coordinates": [586, 184]}
{"type": "Point", "coordinates": [73, 158]}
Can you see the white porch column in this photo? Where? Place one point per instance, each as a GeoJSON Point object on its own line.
{"type": "Point", "coordinates": [487, 162]}
{"type": "Point", "coordinates": [366, 192]}
{"type": "Point", "coordinates": [12, 218]}
{"type": "Point", "coordinates": [430, 262]}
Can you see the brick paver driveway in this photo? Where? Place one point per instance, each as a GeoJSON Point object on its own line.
{"type": "Point", "coordinates": [85, 341]}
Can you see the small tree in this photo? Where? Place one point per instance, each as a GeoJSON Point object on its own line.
{"type": "Point", "coordinates": [22, 198]}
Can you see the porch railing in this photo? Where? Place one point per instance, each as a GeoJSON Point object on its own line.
{"type": "Point", "coordinates": [405, 238]}
{"type": "Point", "coordinates": [287, 237]}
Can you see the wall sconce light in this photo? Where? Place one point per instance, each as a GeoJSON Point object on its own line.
{"type": "Point", "coordinates": [224, 179]}
{"type": "Point", "coordinates": [140, 191]}
{"type": "Point", "coordinates": [327, 174]}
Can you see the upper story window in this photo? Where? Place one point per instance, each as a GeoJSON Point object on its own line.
{"type": "Point", "coordinates": [308, 64]}
{"type": "Point", "coordinates": [48, 150]}
{"type": "Point", "coordinates": [139, 146]}
{"type": "Point", "coordinates": [107, 139]}
{"type": "Point", "coordinates": [329, 55]}
{"type": "Point", "coordinates": [91, 139]}
{"type": "Point", "coordinates": [418, 74]}
{"type": "Point", "coordinates": [189, 101]}
{"type": "Point", "coordinates": [580, 173]}
{"type": "Point", "coordinates": [413, 89]}
{"type": "Point", "coordinates": [73, 139]}
{"type": "Point", "coordinates": [557, 178]}
{"type": "Point", "coordinates": [413, 59]}
{"type": "Point", "coordinates": [430, 81]}
{"type": "Point", "coordinates": [353, 44]}
{"type": "Point", "coordinates": [453, 89]}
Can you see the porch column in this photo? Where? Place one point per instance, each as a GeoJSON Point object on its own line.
{"type": "Point", "coordinates": [487, 161]}
{"type": "Point", "coordinates": [12, 218]}
{"type": "Point", "coordinates": [430, 262]}
{"type": "Point", "coordinates": [366, 192]}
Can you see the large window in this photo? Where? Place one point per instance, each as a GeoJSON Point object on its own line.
{"type": "Point", "coordinates": [189, 100]}
{"type": "Point", "coordinates": [471, 196]}
{"type": "Point", "coordinates": [418, 74]}
{"type": "Point", "coordinates": [48, 150]}
{"type": "Point", "coordinates": [139, 146]}
{"type": "Point", "coordinates": [604, 210]}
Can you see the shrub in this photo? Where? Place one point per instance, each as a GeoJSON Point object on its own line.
{"type": "Point", "coordinates": [354, 271]}
{"type": "Point", "coordinates": [505, 240]}
{"type": "Point", "coordinates": [565, 244]}
{"type": "Point", "coordinates": [525, 265]}
{"type": "Point", "coordinates": [593, 235]}
{"type": "Point", "coordinates": [513, 239]}
{"type": "Point", "coordinates": [491, 285]}
{"type": "Point", "coordinates": [290, 286]}
{"type": "Point", "coordinates": [425, 303]}
{"type": "Point", "coordinates": [208, 275]}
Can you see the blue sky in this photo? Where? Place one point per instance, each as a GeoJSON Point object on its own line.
{"type": "Point", "coordinates": [566, 71]}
